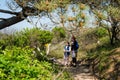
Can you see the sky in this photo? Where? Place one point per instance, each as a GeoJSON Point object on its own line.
{"type": "Point", "coordinates": [24, 24]}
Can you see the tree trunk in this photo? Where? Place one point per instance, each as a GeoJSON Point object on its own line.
{"type": "Point", "coordinates": [114, 32]}
{"type": "Point", "coordinates": [113, 36]}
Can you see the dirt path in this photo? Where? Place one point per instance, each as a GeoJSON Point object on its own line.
{"type": "Point", "coordinates": [80, 72]}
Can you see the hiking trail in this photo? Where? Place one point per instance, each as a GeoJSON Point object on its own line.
{"type": "Point", "coordinates": [80, 72]}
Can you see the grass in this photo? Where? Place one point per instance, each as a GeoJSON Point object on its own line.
{"type": "Point", "coordinates": [56, 50]}
{"type": "Point", "coordinates": [103, 51]}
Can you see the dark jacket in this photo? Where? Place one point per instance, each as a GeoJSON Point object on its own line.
{"type": "Point", "coordinates": [73, 45]}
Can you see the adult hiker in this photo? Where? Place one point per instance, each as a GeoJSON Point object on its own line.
{"type": "Point", "coordinates": [67, 50]}
{"type": "Point", "coordinates": [74, 50]}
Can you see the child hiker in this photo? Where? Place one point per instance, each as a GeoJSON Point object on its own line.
{"type": "Point", "coordinates": [67, 50]}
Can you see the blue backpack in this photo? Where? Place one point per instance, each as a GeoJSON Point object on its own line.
{"type": "Point", "coordinates": [77, 45]}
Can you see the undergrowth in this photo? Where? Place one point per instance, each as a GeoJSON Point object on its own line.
{"type": "Point", "coordinates": [19, 59]}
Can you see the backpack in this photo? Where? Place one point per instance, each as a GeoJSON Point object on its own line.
{"type": "Point", "coordinates": [76, 45]}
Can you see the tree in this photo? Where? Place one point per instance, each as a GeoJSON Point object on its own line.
{"type": "Point", "coordinates": [37, 7]}
{"type": "Point", "coordinates": [28, 8]}
{"type": "Point", "coordinates": [114, 19]}
{"type": "Point", "coordinates": [113, 11]}
{"type": "Point", "coordinates": [18, 16]}
{"type": "Point", "coordinates": [45, 7]}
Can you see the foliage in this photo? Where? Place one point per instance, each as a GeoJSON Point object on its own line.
{"type": "Point", "coordinates": [59, 33]}
{"type": "Point", "coordinates": [100, 15]}
{"type": "Point", "coordinates": [35, 34]}
{"type": "Point", "coordinates": [61, 9]}
{"type": "Point", "coordinates": [104, 59]}
{"type": "Point", "coordinates": [19, 63]}
{"type": "Point", "coordinates": [28, 37]}
{"type": "Point", "coordinates": [114, 12]}
{"type": "Point", "coordinates": [101, 32]}
{"type": "Point", "coordinates": [46, 5]}
{"type": "Point", "coordinates": [104, 62]}
{"type": "Point", "coordinates": [57, 50]}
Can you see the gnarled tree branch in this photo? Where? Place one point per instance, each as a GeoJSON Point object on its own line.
{"type": "Point", "coordinates": [8, 12]}
{"type": "Point", "coordinates": [10, 21]}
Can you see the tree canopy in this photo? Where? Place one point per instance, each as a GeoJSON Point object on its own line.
{"type": "Point", "coordinates": [45, 7]}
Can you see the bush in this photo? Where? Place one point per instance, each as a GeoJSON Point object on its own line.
{"type": "Point", "coordinates": [101, 32]}
{"type": "Point", "coordinates": [19, 63]}
{"type": "Point", "coordinates": [28, 37]}
{"type": "Point", "coordinates": [36, 35]}
{"type": "Point", "coordinates": [59, 33]}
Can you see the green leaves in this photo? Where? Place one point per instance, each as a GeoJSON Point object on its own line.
{"type": "Point", "coordinates": [59, 31]}
{"type": "Point", "coordinates": [114, 12]}
{"type": "Point", "coordinates": [46, 5]}
{"type": "Point", "coordinates": [28, 37]}
{"type": "Point", "coordinates": [59, 34]}
{"type": "Point", "coordinates": [101, 32]}
{"type": "Point", "coordinates": [45, 37]}
{"type": "Point", "coordinates": [18, 64]}
{"type": "Point", "coordinates": [17, 61]}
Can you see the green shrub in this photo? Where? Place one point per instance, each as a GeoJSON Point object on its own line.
{"type": "Point", "coordinates": [59, 33]}
{"type": "Point", "coordinates": [28, 37]}
{"type": "Point", "coordinates": [35, 34]}
{"type": "Point", "coordinates": [101, 32]}
{"type": "Point", "coordinates": [19, 63]}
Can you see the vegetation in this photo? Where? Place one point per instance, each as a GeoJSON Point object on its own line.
{"type": "Point", "coordinates": [104, 60]}
{"type": "Point", "coordinates": [96, 50]}
{"type": "Point", "coordinates": [101, 32]}
{"type": "Point", "coordinates": [19, 59]}
{"type": "Point", "coordinates": [20, 63]}
{"type": "Point", "coordinates": [28, 37]}
{"type": "Point", "coordinates": [59, 34]}
{"type": "Point", "coordinates": [103, 10]}
{"type": "Point", "coordinates": [100, 46]}
{"type": "Point", "coordinates": [102, 57]}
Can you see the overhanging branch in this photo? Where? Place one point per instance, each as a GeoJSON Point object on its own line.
{"type": "Point", "coordinates": [2, 19]}
{"type": "Point", "coordinates": [9, 12]}
{"type": "Point", "coordinates": [10, 21]}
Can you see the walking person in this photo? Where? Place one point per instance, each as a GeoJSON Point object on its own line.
{"type": "Point", "coordinates": [74, 50]}
{"type": "Point", "coordinates": [67, 50]}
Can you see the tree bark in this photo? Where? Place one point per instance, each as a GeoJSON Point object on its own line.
{"type": "Point", "coordinates": [19, 16]}
{"type": "Point", "coordinates": [9, 12]}
{"type": "Point", "coordinates": [10, 21]}
{"type": "Point", "coordinates": [114, 32]}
